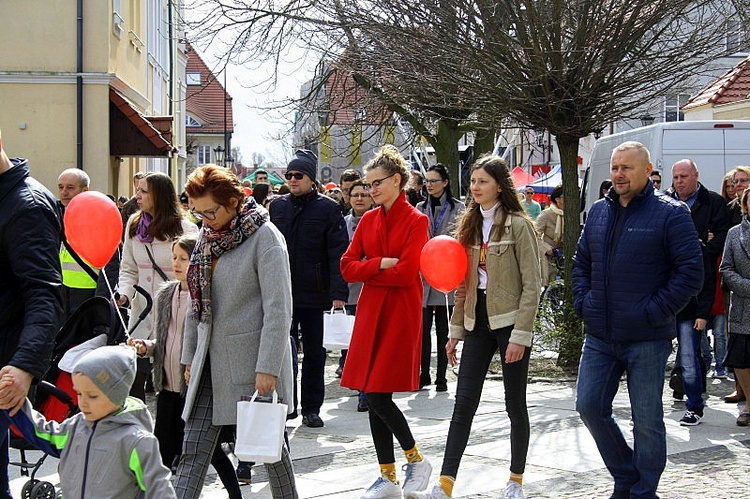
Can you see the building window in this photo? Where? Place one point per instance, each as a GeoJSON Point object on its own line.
{"type": "Point", "coordinates": [192, 122]}
{"type": "Point", "coordinates": [193, 78]}
{"type": "Point", "coordinates": [738, 37]}
{"type": "Point", "coordinates": [204, 155]}
{"type": "Point", "coordinates": [672, 105]}
{"type": "Point", "coordinates": [117, 19]}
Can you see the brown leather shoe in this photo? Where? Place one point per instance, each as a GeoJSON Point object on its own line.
{"type": "Point", "coordinates": [733, 398]}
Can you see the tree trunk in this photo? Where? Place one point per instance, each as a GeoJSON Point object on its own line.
{"type": "Point", "coordinates": [572, 332]}
{"type": "Point", "coordinates": [445, 143]}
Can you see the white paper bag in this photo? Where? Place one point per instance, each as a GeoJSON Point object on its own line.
{"type": "Point", "coordinates": [337, 329]}
{"type": "Point", "coordinates": [260, 430]}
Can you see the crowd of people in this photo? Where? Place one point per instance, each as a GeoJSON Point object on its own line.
{"type": "Point", "coordinates": [242, 281]}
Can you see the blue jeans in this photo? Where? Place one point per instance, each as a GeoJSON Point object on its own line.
{"type": "Point", "coordinates": [688, 359]}
{"type": "Point", "coordinates": [718, 326]}
{"type": "Point", "coordinates": [635, 470]}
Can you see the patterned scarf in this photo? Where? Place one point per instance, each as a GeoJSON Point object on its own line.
{"type": "Point", "coordinates": [141, 231]}
{"type": "Point", "coordinates": [211, 245]}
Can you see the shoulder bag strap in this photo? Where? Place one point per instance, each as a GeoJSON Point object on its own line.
{"type": "Point", "coordinates": [154, 265]}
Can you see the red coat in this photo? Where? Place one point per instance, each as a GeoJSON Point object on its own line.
{"type": "Point", "coordinates": [386, 346]}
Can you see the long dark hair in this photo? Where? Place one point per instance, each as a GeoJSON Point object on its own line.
{"type": "Point", "coordinates": [441, 170]}
{"type": "Point", "coordinates": [167, 222]}
{"type": "Point", "coordinates": [469, 230]}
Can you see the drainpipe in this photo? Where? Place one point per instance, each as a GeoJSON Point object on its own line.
{"type": "Point", "coordinates": [172, 158]}
{"type": "Point", "coordinates": [79, 87]}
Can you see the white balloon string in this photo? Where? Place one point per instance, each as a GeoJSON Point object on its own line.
{"type": "Point", "coordinates": [112, 295]}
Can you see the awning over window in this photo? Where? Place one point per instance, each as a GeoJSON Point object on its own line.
{"type": "Point", "coordinates": [133, 134]}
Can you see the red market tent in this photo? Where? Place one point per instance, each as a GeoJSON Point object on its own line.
{"type": "Point", "coordinates": [521, 177]}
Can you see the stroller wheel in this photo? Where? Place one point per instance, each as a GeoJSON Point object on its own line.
{"type": "Point", "coordinates": [43, 490]}
{"type": "Point", "coordinates": [26, 489]}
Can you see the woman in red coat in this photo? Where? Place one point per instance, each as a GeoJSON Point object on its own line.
{"type": "Point", "coordinates": [384, 354]}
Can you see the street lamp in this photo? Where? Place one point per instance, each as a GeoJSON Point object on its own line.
{"type": "Point", "coordinates": [219, 155]}
{"type": "Point", "coordinates": [229, 162]}
{"type": "Point", "coordinates": [647, 120]}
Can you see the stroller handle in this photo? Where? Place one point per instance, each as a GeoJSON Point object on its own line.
{"type": "Point", "coordinates": [56, 392]}
{"type": "Point", "coordinates": [145, 311]}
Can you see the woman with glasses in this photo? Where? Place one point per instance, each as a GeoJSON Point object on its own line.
{"type": "Point", "coordinates": [360, 203]}
{"type": "Point", "coordinates": [384, 353]}
{"type": "Point", "coordinates": [442, 211]}
{"type": "Point", "coordinates": [495, 309]}
{"type": "Point", "coordinates": [236, 336]}
{"type": "Point", "coordinates": [740, 182]}
{"type": "Point", "coordinates": [735, 270]}
{"type": "Point", "coordinates": [147, 256]}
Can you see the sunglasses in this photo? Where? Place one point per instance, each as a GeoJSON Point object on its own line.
{"type": "Point", "coordinates": [296, 176]}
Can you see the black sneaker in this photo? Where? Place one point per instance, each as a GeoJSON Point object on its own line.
{"type": "Point", "coordinates": [690, 419]}
{"type": "Point", "coordinates": [312, 421]}
{"type": "Point", "coordinates": [441, 386]}
{"type": "Point", "coordinates": [244, 473]}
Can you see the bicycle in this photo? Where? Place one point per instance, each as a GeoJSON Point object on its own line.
{"type": "Point", "coordinates": [550, 310]}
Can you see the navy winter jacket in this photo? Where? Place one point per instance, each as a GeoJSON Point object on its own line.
{"type": "Point", "coordinates": [30, 276]}
{"type": "Point", "coordinates": [316, 238]}
{"type": "Point", "coordinates": [629, 286]}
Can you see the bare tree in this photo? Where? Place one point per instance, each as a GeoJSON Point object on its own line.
{"type": "Point", "coordinates": [568, 66]}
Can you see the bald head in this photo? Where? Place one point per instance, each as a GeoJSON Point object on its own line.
{"type": "Point", "coordinates": [685, 178]}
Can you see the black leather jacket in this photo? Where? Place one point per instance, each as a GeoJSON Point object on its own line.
{"type": "Point", "coordinates": [30, 276]}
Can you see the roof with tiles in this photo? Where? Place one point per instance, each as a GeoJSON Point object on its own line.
{"type": "Point", "coordinates": [732, 86]}
{"type": "Point", "coordinates": [206, 100]}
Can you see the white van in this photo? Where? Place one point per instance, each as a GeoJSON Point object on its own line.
{"type": "Point", "coordinates": [715, 146]}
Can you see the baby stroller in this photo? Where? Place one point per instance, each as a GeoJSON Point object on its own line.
{"type": "Point", "coordinates": [54, 396]}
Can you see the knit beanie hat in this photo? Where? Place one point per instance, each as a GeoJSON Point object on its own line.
{"type": "Point", "coordinates": [304, 162]}
{"type": "Point", "coordinates": [111, 369]}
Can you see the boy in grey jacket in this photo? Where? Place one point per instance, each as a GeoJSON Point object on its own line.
{"type": "Point", "coordinates": [107, 450]}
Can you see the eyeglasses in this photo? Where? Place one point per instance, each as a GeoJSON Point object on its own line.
{"type": "Point", "coordinates": [296, 176]}
{"type": "Point", "coordinates": [208, 214]}
{"type": "Point", "coordinates": [741, 181]}
{"type": "Point", "coordinates": [377, 183]}
{"type": "Point", "coordinates": [360, 196]}
{"type": "Point", "coordinates": [433, 180]}
{"type": "Point", "coordinates": [658, 182]}
{"type": "Point", "coordinates": [529, 192]}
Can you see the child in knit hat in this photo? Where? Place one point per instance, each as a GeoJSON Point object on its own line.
{"type": "Point", "coordinates": [108, 449]}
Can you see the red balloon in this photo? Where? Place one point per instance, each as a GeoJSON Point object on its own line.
{"type": "Point", "coordinates": [331, 185]}
{"type": "Point", "coordinates": [248, 191]}
{"type": "Point", "coordinates": [443, 263]}
{"type": "Point", "coordinates": [93, 227]}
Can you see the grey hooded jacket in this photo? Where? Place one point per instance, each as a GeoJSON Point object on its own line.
{"type": "Point", "coordinates": [116, 457]}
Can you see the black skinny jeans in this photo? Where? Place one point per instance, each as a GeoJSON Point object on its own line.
{"type": "Point", "coordinates": [478, 349]}
{"type": "Point", "coordinates": [441, 314]}
{"type": "Point", "coordinates": [387, 421]}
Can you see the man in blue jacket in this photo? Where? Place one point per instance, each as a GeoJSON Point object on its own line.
{"type": "Point", "coordinates": [316, 237]}
{"type": "Point", "coordinates": [30, 287]}
{"type": "Point", "coordinates": [637, 264]}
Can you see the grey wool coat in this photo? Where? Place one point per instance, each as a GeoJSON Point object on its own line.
{"type": "Point", "coordinates": [251, 299]}
{"type": "Point", "coordinates": [735, 271]}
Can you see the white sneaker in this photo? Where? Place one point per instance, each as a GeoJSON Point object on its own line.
{"type": "Point", "coordinates": [513, 490]}
{"type": "Point", "coordinates": [417, 476]}
{"type": "Point", "coordinates": [435, 493]}
{"type": "Point", "coordinates": [383, 489]}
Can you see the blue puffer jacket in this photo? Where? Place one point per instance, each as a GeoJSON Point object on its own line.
{"type": "Point", "coordinates": [316, 238]}
{"type": "Point", "coordinates": [631, 288]}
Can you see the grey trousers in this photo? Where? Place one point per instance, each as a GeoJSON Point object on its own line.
{"type": "Point", "coordinates": [201, 437]}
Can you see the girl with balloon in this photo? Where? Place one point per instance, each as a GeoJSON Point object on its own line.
{"type": "Point", "coordinates": [443, 211]}
{"type": "Point", "coordinates": [147, 255]}
{"type": "Point", "coordinates": [494, 311]}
